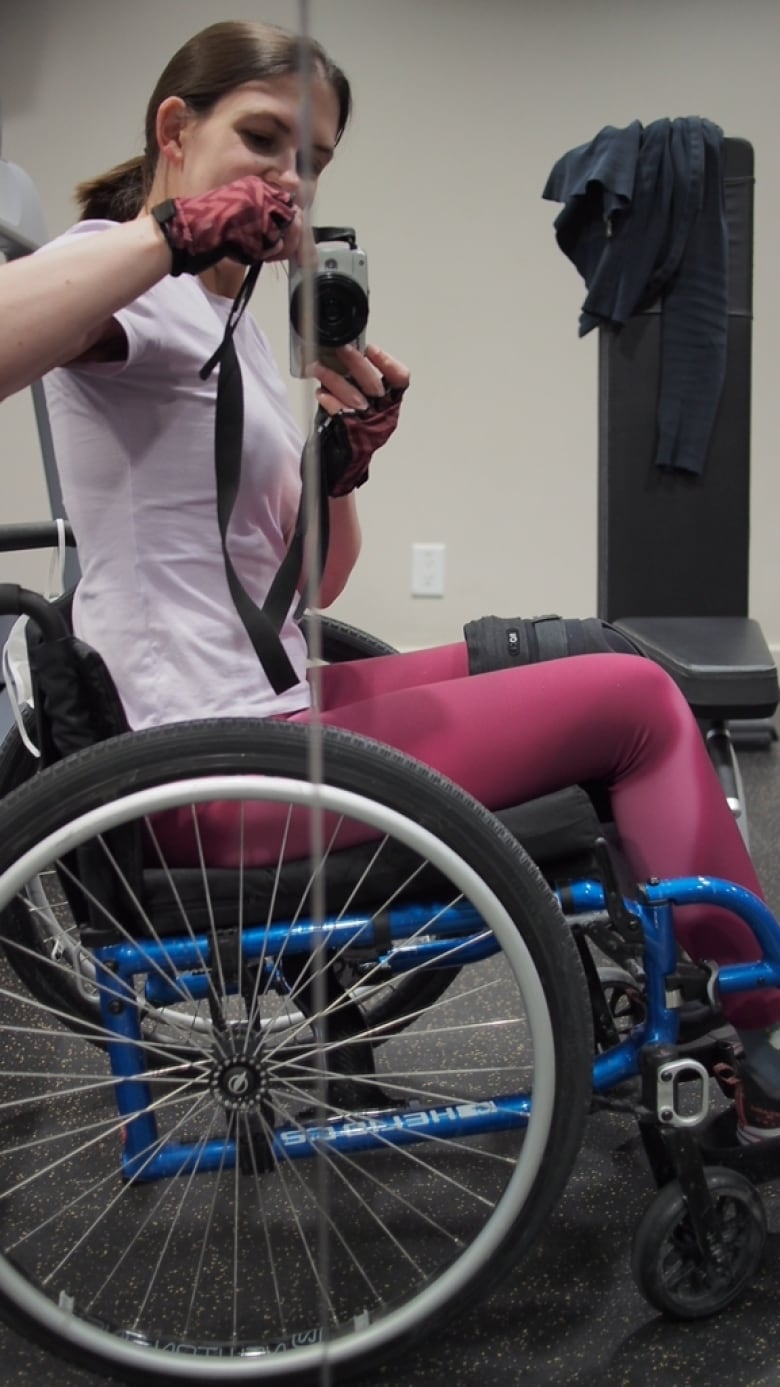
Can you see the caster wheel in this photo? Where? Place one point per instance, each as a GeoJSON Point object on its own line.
{"type": "Point", "coordinates": [669, 1267]}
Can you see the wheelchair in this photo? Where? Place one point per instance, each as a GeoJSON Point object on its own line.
{"type": "Point", "coordinates": [285, 1102]}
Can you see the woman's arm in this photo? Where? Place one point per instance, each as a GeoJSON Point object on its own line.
{"type": "Point", "coordinates": [370, 377]}
{"type": "Point", "coordinates": [343, 548]}
{"type": "Point", "coordinates": [58, 306]}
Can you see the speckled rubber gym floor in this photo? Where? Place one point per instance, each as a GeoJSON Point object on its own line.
{"type": "Point", "coordinates": [570, 1314]}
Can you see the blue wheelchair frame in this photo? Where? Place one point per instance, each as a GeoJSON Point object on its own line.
{"type": "Point", "coordinates": [460, 942]}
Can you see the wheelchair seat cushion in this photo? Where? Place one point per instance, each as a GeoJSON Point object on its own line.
{"type": "Point", "coordinates": [558, 832]}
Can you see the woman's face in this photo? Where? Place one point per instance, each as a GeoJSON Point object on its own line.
{"type": "Point", "coordinates": [256, 129]}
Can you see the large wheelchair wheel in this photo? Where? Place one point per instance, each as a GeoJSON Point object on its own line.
{"type": "Point", "coordinates": [280, 1199]}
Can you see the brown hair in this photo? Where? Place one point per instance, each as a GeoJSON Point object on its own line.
{"type": "Point", "coordinates": [213, 63]}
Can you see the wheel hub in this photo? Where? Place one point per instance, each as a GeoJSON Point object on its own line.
{"type": "Point", "coordinates": [239, 1083]}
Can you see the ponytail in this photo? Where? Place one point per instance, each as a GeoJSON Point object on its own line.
{"type": "Point", "coordinates": [117, 195]}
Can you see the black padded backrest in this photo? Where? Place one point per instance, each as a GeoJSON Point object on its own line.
{"type": "Point", "coordinates": [76, 701]}
{"type": "Point", "coordinates": [670, 543]}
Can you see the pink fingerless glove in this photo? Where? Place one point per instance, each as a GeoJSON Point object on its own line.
{"type": "Point", "coordinates": [349, 440]}
{"type": "Point", "coordinates": [243, 221]}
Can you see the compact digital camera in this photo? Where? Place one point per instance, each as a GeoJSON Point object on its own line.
{"type": "Point", "coordinates": [340, 300]}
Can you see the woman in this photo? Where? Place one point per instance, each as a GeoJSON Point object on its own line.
{"type": "Point", "coordinates": [120, 314]}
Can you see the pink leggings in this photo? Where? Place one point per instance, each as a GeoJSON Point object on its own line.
{"type": "Point", "coordinates": [518, 733]}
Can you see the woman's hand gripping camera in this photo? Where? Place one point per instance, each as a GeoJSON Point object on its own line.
{"type": "Point", "coordinates": [357, 413]}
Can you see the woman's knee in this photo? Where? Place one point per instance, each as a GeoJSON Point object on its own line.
{"type": "Point", "coordinates": [654, 690]}
{"type": "Point", "coordinates": [656, 720]}
{"type": "Point", "coordinates": [631, 708]}
{"type": "Point", "coordinates": [630, 684]}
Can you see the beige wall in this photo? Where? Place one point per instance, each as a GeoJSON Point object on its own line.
{"type": "Point", "coordinates": [462, 107]}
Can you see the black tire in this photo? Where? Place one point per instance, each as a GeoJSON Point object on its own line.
{"type": "Point", "coordinates": [341, 642]}
{"type": "Point", "coordinates": [55, 1200]}
{"type": "Point", "coordinates": [669, 1267]}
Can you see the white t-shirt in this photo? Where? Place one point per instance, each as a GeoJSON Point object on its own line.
{"type": "Point", "coordinates": [134, 443]}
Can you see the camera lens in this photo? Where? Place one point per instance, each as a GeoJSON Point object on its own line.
{"type": "Point", "coordinates": [341, 308]}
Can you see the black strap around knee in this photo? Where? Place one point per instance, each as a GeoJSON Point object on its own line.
{"type": "Point", "coordinates": [495, 642]}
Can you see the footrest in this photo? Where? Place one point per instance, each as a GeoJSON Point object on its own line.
{"type": "Point", "coordinates": [722, 663]}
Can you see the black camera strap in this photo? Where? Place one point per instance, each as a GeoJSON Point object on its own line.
{"type": "Point", "coordinates": [262, 624]}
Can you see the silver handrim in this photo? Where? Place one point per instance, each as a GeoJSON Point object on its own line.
{"type": "Point", "coordinates": [397, 1321]}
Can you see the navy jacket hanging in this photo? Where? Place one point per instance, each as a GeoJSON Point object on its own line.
{"type": "Point", "coordinates": [644, 219]}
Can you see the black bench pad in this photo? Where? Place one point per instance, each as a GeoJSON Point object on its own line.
{"type": "Point", "coordinates": [722, 663]}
